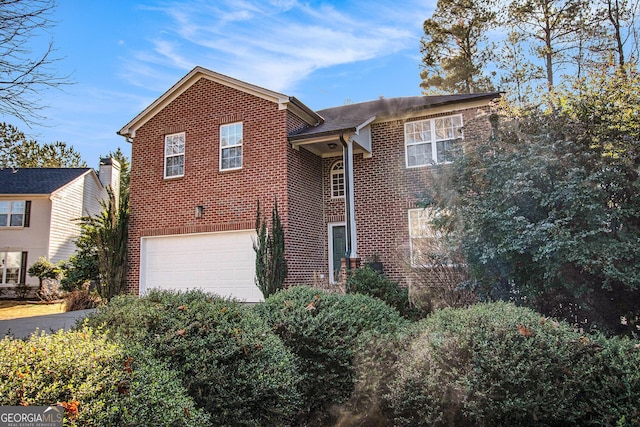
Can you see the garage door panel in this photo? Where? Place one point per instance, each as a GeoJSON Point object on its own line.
{"type": "Point", "coordinates": [222, 263]}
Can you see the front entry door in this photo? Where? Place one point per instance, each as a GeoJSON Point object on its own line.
{"type": "Point", "coordinates": [337, 249]}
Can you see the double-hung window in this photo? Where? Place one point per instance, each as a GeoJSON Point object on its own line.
{"type": "Point", "coordinates": [429, 142]}
{"type": "Point", "coordinates": [337, 179]}
{"type": "Point", "coordinates": [231, 146]}
{"type": "Point", "coordinates": [424, 239]}
{"type": "Point", "coordinates": [174, 155]}
{"type": "Point", "coordinates": [11, 266]}
{"type": "Point", "coordinates": [14, 213]}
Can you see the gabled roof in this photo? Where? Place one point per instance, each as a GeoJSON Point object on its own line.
{"type": "Point", "coordinates": [283, 101]}
{"type": "Point", "coordinates": [37, 180]}
{"type": "Point", "coordinates": [348, 118]}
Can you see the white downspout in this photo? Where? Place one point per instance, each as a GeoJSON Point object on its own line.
{"type": "Point", "coordinates": [350, 217]}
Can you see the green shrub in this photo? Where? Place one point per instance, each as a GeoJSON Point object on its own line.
{"type": "Point", "coordinates": [376, 369]}
{"type": "Point", "coordinates": [367, 281]}
{"type": "Point", "coordinates": [500, 365]}
{"type": "Point", "coordinates": [100, 384]}
{"type": "Point", "coordinates": [229, 361]}
{"type": "Point", "coordinates": [322, 330]}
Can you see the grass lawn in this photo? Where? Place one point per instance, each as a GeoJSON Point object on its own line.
{"type": "Point", "coordinates": [17, 309]}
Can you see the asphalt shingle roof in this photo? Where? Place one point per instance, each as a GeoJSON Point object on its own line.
{"type": "Point", "coordinates": [348, 117]}
{"type": "Point", "coordinates": [37, 180]}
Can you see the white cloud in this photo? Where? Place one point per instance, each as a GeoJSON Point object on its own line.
{"type": "Point", "coordinates": [279, 43]}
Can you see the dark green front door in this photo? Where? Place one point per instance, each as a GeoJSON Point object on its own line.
{"type": "Point", "coordinates": [338, 249]}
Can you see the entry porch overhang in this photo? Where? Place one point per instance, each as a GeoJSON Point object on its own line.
{"type": "Point", "coordinates": [328, 144]}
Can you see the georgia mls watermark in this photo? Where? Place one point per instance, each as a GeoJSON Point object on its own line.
{"type": "Point", "coordinates": [31, 416]}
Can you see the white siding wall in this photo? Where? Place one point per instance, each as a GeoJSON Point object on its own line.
{"type": "Point", "coordinates": [77, 199]}
{"type": "Point", "coordinates": [33, 239]}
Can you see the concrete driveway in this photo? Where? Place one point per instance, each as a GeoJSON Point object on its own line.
{"type": "Point", "coordinates": [25, 326]}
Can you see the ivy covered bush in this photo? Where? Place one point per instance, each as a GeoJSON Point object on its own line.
{"type": "Point", "coordinates": [499, 365]}
{"type": "Point", "coordinates": [323, 330]}
{"type": "Point", "coordinates": [96, 381]}
{"type": "Point", "coordinates": [228, 359]}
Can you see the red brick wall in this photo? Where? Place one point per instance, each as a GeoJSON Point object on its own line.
{"type": "Point", "coordinates": [166, 206]}
{"type": "Point", "coordinates": [305, 242]}
{"type": "Point", "coordinates": [385, 189]}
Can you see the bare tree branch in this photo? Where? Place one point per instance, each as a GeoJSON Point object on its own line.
{"type": "Point", "coordinates": [24, 72]}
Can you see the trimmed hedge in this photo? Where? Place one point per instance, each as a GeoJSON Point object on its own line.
{"type": "Point", "coordinates": [500, 365]}
{"type": "Point", "coordinates": [322, 329]}
{"type": "Point", "coordinates": [228, 359]}
{"type": "Point", "coordinates": [99, 383]}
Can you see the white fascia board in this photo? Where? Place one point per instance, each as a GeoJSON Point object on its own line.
{"type": "Point", "coordinates": [442, 109]}
{"type": "Point", "coordinates": [185, 83]}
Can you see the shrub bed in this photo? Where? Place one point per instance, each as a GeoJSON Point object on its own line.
{"type": "Point", "coordinates": [322, 329]}
{"type": "Point", "coordinates": [500, 365]}
{"type": "Point", "coordinates": [95, 380]}
{"type": "Point", "coordinates": [228, 359]}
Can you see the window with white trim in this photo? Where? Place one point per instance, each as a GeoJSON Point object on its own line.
{"type": "Point", "coordinates": [337, 179]}
{"type": "Point", "coordinates": [231, 146]}
{"type": "Point", "coordinates": [174, 155]}
{"type": "Point", "coordinates": [10, 267]}
{"type": "Point", "coordinates": [429, 142]}
{"type": "Point", "coordinates": [13, 213]}
{"type": "Point", "coordinates": [424, 238]}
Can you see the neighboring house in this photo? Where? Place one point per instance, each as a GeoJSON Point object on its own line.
{"type": "Point", "coordinates": [39, 208]}
{"type": "Point", "coordinates": [346, 180]}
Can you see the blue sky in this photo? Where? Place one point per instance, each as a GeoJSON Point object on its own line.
{"type": "Point", "coordinates": [123, 54]}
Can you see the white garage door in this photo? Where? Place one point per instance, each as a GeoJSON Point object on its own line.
{"type": "Point", "coordinates": [222, 263]}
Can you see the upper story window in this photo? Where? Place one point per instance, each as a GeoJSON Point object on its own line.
{"type": "Point", "coordinates": [14, 213]}
{"type": "Point", "coordinates": [429, 142]}
{"type": "Point", "coordinates": [337, 179]}
{"type": "Point", "coordinates": [231, 146]}
{"type": "Point", "coordinates": [174, 155]}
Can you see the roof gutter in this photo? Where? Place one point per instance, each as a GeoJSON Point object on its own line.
{"type": "Point", "coordinates": [315, 118]}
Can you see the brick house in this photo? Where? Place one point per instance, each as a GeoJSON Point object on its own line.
{"type": "Point", "coordinates": [346, 180]}
{"type": "Point", "coordinates": [39, 209]}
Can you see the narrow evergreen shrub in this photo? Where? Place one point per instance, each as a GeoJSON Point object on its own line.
{"type": "Point", "coordinates": [501, 365]}
{"type": "Point", "coordinates": [322, 329]}
{"type": "Point", "coordinates": [271, 264]}
{"type": "Point", "coordinates": [228, 359]}
{"type": "Point", "coordinates": [96, 380]}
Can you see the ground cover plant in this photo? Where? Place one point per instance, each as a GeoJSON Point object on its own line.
{"type": "Point", "coordinates": [228, 359]}
{"type": "Point", "coordinates": [96, 381]}
{"type": "Point", "coordinates": [323, 330]}
{"type": "Point", "coordinates": [497, 365]}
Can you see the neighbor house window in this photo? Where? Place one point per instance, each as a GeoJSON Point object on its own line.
{"type": "Point", "coordinates": [14, 213]}
{"type": "Point", "coordinates": [429, 142]}
{"type": "Point", "coordinates": [11, 267]}
{"type": "Point", "coordinates": [337, 179]}
{"type": "Point", "coordinates": [231, 146]}
{"type": "Point", "coordinates": [174, 155]}
{"type": "Point", "coordinates": [424, 239]}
